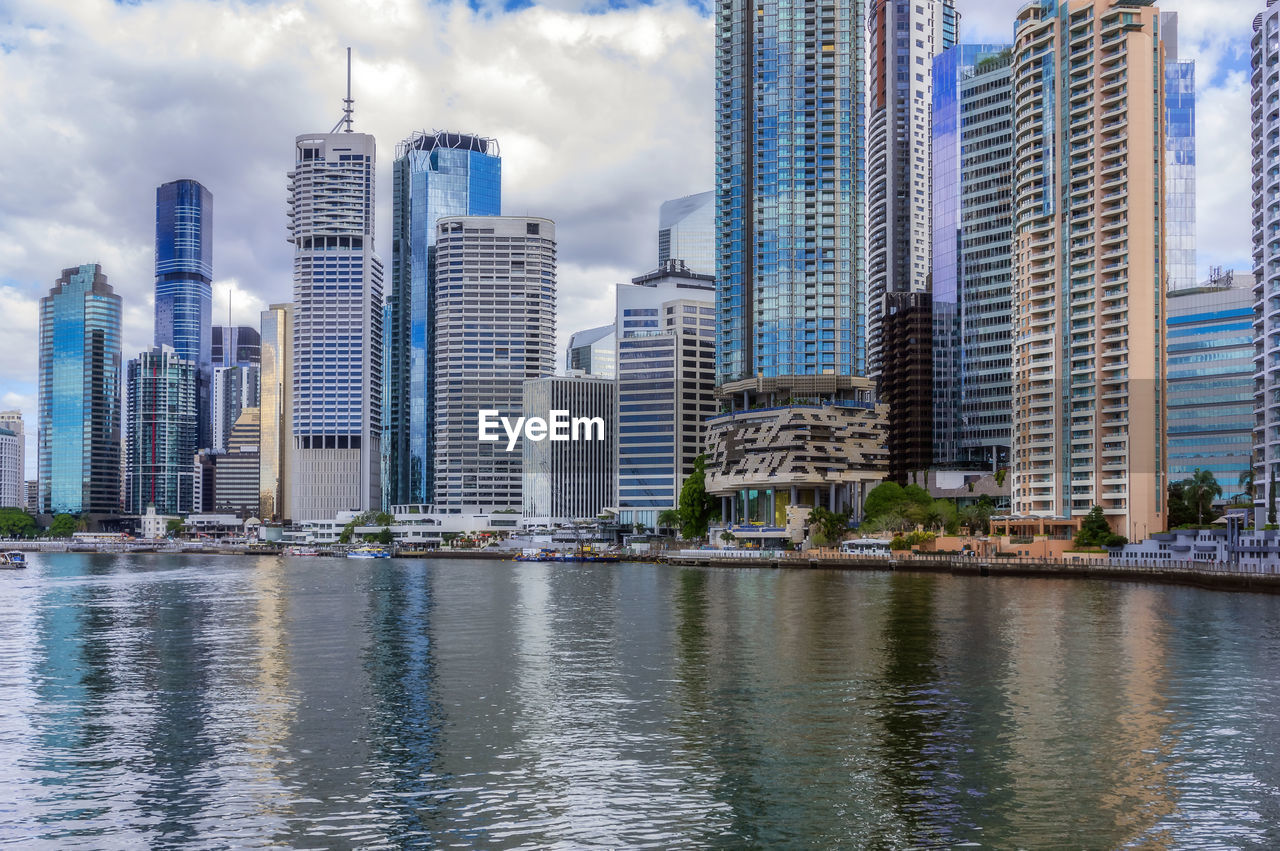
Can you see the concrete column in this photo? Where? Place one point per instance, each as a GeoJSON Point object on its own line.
{"type": "Point", "coordinates": [793, 495]}
{"type": "Point", "coordinates": [831, 498]}
{"type": "Point", "coordinates": [773, 507]}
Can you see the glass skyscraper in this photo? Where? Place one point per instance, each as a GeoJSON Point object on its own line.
{"type": "Point", "coordinates": [972, 253]}
{"type": "Point", "coordinates": [1210, 375]}
{"type": "Point", "coordinates": [184, 282]}
{"type": "Point", "coordinates": [1179, 159]}
{"type": "Point", "coordinates": [79, 395]}
{"type": "Point", "coordinates": [790, 187]}
{"type": "Point", "coordinates": [687, 231]}
{"type": "Point", "coordinates": [162, 414]}
{"type": "Point", "coordinates": [435, 175]}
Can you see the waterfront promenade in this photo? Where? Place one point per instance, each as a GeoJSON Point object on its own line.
{"type": "Point", "coordinates": [1206, 574]}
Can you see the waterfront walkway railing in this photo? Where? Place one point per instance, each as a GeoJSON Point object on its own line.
{"type": "Point", "coordinates": [903, 560]}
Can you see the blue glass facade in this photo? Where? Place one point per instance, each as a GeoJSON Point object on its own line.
{"type": "Point", "coordinates": [1180, 173]}
{"type": "Point", "coordinates": [790, 186]}
{"type": "Point", "coordinates": [79, 395]}
{"type": "Point", "coordinates": [184, 283]}
{"type": "Point", "coordinates": [972, 256]}
{"type": "Point", "coordinates": [435, 175]}
{"type": "Point", "coordinates": [1210, 354]}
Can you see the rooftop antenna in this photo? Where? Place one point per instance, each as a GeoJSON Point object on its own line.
{"type": "Point", "coordinates": [347, 109]}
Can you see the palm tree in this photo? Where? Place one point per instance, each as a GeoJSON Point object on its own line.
{"type": "Point", "coordinates": [669, 519]}
{"type": "Point", "coordinates": [1200, 491]}
{"type": "Point", "coordinates": [1246, 481]}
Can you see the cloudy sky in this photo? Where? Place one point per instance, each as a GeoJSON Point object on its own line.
{"type": "Point", "coordinates": [602, 110]}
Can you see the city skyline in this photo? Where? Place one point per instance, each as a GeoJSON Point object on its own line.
{"type": "Point", "coordinates": [604, 199]}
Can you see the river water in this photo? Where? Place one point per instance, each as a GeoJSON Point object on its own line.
{"type": "Point", "coordinates": [215, 702]}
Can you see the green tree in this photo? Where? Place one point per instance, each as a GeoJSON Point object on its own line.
{"type": "Point", "coordinates": [63, 526]}
{"type": "Point", "coordinates": [1180, 513]}
{"type": "Point", "coordinates": [385, 537]}
{"type": "Point", "coordinates": [174, 527]}
{"type": "Point", "coordinates": [727, 536]}
{"type": "Point", "coordinates": [884, 498]}
{"type": "Point", "coordinates": [16, 523]}
{"type": "Point", "coordinates": [383, 519]}
{"type": "Point", "coordinates": [1094, 531]}
{"type": "Point", "coordinates": [832, 525]}
{"type": "Point", "coordinates": [1199, 491]}
{"type": "Point", "coordinates": [669, 519]}
{"type": "Point", "coordinates": [697, 507]}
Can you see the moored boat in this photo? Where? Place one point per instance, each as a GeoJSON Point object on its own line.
{"type": "Point", "coordinates": [13, 560]}
{"type": "Point", "coordinates": [370, 552]}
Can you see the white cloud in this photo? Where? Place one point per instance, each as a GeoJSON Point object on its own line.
{"type": "Point", "coordinates": [600, 117]}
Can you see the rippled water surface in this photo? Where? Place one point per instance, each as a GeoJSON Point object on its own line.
{"type": "Point", "coordinates": [220, 702]}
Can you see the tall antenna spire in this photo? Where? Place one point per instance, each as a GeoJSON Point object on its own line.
{"type": "Point", "coordinates": [347, 109]}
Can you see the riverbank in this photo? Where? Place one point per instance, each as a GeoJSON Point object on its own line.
{"type": "Point", "coordinates": [1207, 575]}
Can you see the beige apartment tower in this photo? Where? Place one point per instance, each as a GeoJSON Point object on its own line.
{"type": "Point", "coordinates": [1088, 265]}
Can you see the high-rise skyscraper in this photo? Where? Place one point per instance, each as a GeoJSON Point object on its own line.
{"type": "Point", "coordinates": [236, 345]}
{"type": "Point", "coordinates": [687, 232]}
{"type": "Point", "coordinates": [790, 287]}
{"type": "Point", "coordinates": [161, 432]}
{"type": "Point", "coordinates": [184, 283]}
{"type": "Point", "coordinates": [1089, 269]}
{"type": "Point", "coordinates": [495, 316]}
{"type": "Point", "coordinates": [1265, 54]}
{"type": "Point", "coordinates": [972, 254]}
{"type": "Point", "coordinates": [337, 327]}
{"type": "Point", "coordinates": [79, 392]}
{"type": "Point", "coordinates": [435, 175]}
{"type": "Point", "coordinates": [1180, 160]}
{"type": "Point", "coordinates": [666, 381]}
{"type": "Point", "coordinates": [13, 454]}
{"type": "Point", "coordinates": [905, 38]}
{"type": "Point", "coordinates": [275, 442]}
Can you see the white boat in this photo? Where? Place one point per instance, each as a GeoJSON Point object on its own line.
{"type": "Point", "coordinates": [14, 560]}
{"type": "Point", "coordinates": [370, 552]}
{"type": "Point", "coordinates": [301, 551]}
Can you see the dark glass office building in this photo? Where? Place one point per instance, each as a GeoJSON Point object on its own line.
{"type": "Point", "coordinates": [184, 283]}
{"type": "Point", "coordinates": [435, 175]}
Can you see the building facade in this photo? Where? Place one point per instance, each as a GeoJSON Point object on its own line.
{"type": "Point", "coordinates": [184, 282]}
{"type": "Point", "coordinates": [234, 389]}
{"type": "Point", "coordinates": [593, 351]}
{"type": "Point", "coordinates": [1089, 264]}
{"type": "Point", "coordinates": [13, 461]}
{"type": "Point", "coordinates": [687, 231]}
{"type": "Point", "coordinates": [568, 480]}
{"type": "Point", "coordinates": [236, 345]}
{"type": "Point", "coordinates": [435, 175]}
{"type": "Point", "coordinates": [791, 302]}
{"type": "Point", "coordinates": [161, 429]}
{"type": "Point", "coordinates": [337, 327]}
{"type": "Point", "coordinates": [236, 484]}
{"type": "Point", "coordinates": [1265, 151]}
{"type": "Point", "coordinates": [666, 387]}
{"type": "Point", "coordinates": [12, 494]}
{"type": "Point", "coordinates": [1209, 368]}
{"type": "Point", "coordinates": [79, 395]}
{"type": "Point", "coordinates": [275, 416]}
{"type": "Point", "coordinates": [495, 321]}
{"type": "Point", "coordinates": [790, 171]}
{"type": "Point", "coordinates": [1179, 160]}
{"type": "Point", "coordinates": [972, 254]}
{"type": "Point", "coordinates": [904, 39]}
